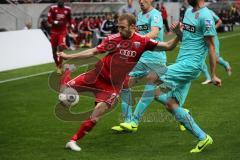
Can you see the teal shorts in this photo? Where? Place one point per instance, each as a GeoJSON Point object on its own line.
{"type": "Point", "coordinates": [177, 80]}
{"type": "Point", "coordinates": [142, 69]}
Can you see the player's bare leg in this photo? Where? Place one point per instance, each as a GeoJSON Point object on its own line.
{"type": "Point", "coordinates": [183, 117]}
{"type": "Point", "coordinates": [57, 60]}
{"type": "Point", "coordinates": [146, 98]}
{"type": "Point", "coordinates": [225, 64]}
{"type": "Point", "coordinates": [131, 120]}
{"type": "Point", "coordinates": [87, 125]}
{"type": "Point", "coordinates": [55, 57]}
{"type": "Point", "coordinates": [127, 104]}
{"type": "Point", "coordinates": [186, 119]}
{"type": "Point", "coordinates": [61, 48]}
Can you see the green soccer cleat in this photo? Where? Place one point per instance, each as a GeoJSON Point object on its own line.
{"type": "Point", "coordinates": [132, 126]}
{"type": "Point", "coordinates": [202, 144]}
{"type": "Point", "coordinates": [118, 129]}
{"type": "Point", "coordinates": [181, 127]}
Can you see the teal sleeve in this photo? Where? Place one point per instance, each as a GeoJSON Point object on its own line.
{"type": "Point", "coordinates": [208, 25]}
{"type": "Point", "coordinates": [215, 17]}
{"type": "Point", "coordinates": [156, 20]}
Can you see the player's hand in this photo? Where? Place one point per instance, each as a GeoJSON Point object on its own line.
{"type": "Point", "coordinates": [176, 27]}
{"type": "Point", "coordinates": [216, 81]}
{"type": "Point", "coordinates": [63, 55]}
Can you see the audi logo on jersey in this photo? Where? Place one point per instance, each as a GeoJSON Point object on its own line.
{"type": "Point", "coordinates": [59, 16]}
{"type": "Point", "coordinates": [128, 53]}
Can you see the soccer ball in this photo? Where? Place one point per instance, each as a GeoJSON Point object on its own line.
{"type": "Point", "coordinates": [69, 97]}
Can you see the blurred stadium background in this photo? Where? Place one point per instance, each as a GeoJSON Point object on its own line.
{"type": "Point", "coordinates": [29, 128]}
{"type": "Point", "coordinates": [32, 14]}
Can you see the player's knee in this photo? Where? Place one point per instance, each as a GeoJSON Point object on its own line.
{"type": "Point", "coordinates": [171, 104]}
{"type": "Point", "coordinates": [97, 108]}
{"type": "Point", "coordinates": [101, 108]}
{"type": "Point", "coordinates": [152, 77]}
{"type": "Point", "coordinates": [129, 82]}
{"type": "Point", "coordinates": [132, 81]}
{"type": "Point", "coordinates": [98, 112]}
{"type": "Point", "coordinates": [157, 94]}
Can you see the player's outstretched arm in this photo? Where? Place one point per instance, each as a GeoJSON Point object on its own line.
{"type": "Point", "coordinates": [154, 33]}
{"type": "Point", "coordinates": [167, 46]}
{"type": "Point", "coordinates": [212, 60]}
{"type": "Point", "coordinates": [170, 45]}
{"type": "Point", "coordinates": [81, 55]}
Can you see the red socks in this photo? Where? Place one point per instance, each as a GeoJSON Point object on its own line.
{"type": "Point", "coordinates": [85, 127]}
{"type": "Point", "coordinates": [66, 77]}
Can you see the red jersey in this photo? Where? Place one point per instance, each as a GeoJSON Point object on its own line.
{"type": "Point", "coordinates": [62, 16]}
{"type": "Point", "coordinates": [98, 23]}
{"type": "Point", "coordinates": [164, 12]}
{"type": "Point", "coordinates": [83, 26]}
{"type": "Point", "coordinates": [92, 25]}
{"type": "Point", "coordinates": [122, 56]}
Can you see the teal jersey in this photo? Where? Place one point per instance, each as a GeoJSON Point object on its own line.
{"type": "Point", "coordinates": [144, 24]}
{"type": "Point", "coordinates": [196, 25]}
{"type": "Point", "coordinates": [215, 17]}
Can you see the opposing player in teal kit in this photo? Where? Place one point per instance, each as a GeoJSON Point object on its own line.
{"type": "Point", "coordinates": [220, 60]}
{"type": "Point", "coordinates": [150, 24]}
{"type": "Point", "coordinates": [198, 36]}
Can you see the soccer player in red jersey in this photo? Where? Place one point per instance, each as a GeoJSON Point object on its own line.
{"type": "Point", "coordinates": [85, 33]}
{"type": "Point", "coordinates": [106, 79]}
{"type": "Point", "coordinates": [92, 24]}
{"type": "Point", "coordinates": [59, 17]}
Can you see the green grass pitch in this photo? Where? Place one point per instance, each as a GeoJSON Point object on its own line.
{"type": "Point", "coordinates": [29, 129]}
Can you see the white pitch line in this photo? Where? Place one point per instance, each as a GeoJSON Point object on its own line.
{"type": "Point", "coordinates": [47, 72]}
{"type": "Point", "coordinates": [229, 36]}
{"type": "Point", "coordinates": [24, 77]}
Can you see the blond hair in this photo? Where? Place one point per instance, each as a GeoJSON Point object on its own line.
{"type": "Point", "coordinates": [129, 17]}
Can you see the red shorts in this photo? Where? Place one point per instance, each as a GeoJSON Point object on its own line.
{"type": "Point", "coordinates": [58, 39]}
{"type": "Point", "coordinates": [92, 82]}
